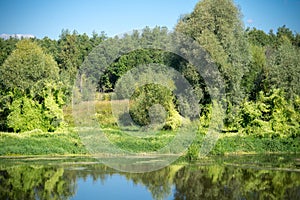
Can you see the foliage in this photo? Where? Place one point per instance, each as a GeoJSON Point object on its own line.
{"type": "Point", "coordinates": [284, 69]}
{"type": "Point", "coordinates": [271, 116]}
{"type": "Point", "coordinates": [34, 100]}
{"type": "Point", "coordinates": [104, 114]}
{"type": "Point", "coordinates": [217, 26]}
{"type": "Point", "coordinates": [25, 115]}
{"type": "Point", "coordinates": [6, 46]}
{"type": "Point", "coordinates": [253, 79]}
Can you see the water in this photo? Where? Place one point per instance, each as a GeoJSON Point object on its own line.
{"type": "Point", "coordinates": [231, 177]}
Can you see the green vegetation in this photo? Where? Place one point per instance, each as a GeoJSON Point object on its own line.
{"type": "Point", "coordinates": [260, 71]}
{"type": "Point", "coordinates": [41, 143]}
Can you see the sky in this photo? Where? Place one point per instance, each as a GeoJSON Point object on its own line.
{"type": "Point", "coordinates": [48, 17]}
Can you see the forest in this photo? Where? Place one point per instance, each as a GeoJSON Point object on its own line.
{"type": "Point", "coordinates": [260, 72]}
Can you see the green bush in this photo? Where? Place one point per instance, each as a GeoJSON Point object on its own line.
{"type": "Point", "coordinates": [270, 116]}
{"type": "Point", "coordinates": [144, 110]}
{"type": "Point", "coordinates": [104, 114]}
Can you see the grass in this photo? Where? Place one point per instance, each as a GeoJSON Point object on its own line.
{"type": "Point", "coordinates": [69, 142]}
{"type": "Point", "coordinates": [40, 143]}
{"type": "Point", "coordinates": [152, 142]}
{"type": "Point", "coordinates": [240, 144]}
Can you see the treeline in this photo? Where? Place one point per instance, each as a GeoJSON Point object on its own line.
{"type": "Point", "coordinates": [261, 72]}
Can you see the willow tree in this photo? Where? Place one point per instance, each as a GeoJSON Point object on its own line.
{"type": "Point", "coordinates": [31, 96]}
{"type": "Point", "coordinates": [217, 26]}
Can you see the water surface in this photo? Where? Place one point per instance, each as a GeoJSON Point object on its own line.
{"type": "Point", "coordinates": [231, 177]}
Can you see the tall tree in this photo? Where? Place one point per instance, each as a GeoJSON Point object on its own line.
{"type": "Point", "coordinates": [284, 69]}
{"type": "Point", "coordinates": [217, 26]}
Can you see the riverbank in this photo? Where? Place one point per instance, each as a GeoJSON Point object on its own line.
{"type": "Point", "coordinates": [41, 143]}
{"type": "Point", "coordinates": [69, 143]}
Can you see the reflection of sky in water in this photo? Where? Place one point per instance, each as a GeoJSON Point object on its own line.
{"type": "Point", "coordinates": [114, 187]}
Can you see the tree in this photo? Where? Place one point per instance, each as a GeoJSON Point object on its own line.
{"type": "Point", "coordinates": [69, 58]}
{"type": "Point", "coordinates": [217, 26]}
{"type": "Point", "coordinates": [253, 79]}
{"type": "Point", "coordinates": [30, 67]}
{"type": "Point", "coordinates": [6, 47]}
{"type": "Point", "coordinates": [284, 31]}
{"type": "Point", "coordinates": [258, 37]}
{"type": "Point", "coordinates": [284, 69]}
{"type": "Point", "coordinates": [271, 115]}
{"type": "Point", "coordinates": [31, 93]}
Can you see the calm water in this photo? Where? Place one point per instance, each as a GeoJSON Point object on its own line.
{"type": "Point", "coordinates": [235, 177]}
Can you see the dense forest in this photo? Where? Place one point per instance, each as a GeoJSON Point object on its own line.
{"type": "Point", "coordinates": [261, 73]}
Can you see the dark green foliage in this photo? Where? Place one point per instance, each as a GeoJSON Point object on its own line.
{"type": "Point", "coordinates": [6, 48]}
{"type": "Point", "coordinates": [284, 69]}
{"type": "Point", "coordinates": [253, 79]}
{"type": "Point", "coordinates": [259, 37]}
{"type": "Point", "coordinates": [144, 110]}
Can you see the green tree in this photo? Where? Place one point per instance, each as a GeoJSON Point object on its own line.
{"type": "Point", "coordinates": [69, 58]}
{"type": "Point", "coordinates": [284, 31]}
{"type": "Point", "coordinates": [31, 95]}
{"type": "Point", "coordinates": [258, 37]}
{"type": "Point", "coordinates": [253, 79]}
{"type": "Point", "coordinates": [283, 68]}
{"type": "Point", "coordinates": [49, 46]}
{"type": "Point", "coordinates": [217, 26]}
{"type": "Point", "coordinates": [27, 70]}
{"type": "Point", "coordinates": [6, 47]}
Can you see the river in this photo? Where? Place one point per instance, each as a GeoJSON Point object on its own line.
{"type": "Point", "coordinates": [274, 176]}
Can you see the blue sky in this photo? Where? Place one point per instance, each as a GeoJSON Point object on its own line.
{"type": "Point", "coordinates": [48, 17]}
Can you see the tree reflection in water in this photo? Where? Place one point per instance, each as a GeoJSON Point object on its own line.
{"type": "Point", "coordinates": [214, 180]}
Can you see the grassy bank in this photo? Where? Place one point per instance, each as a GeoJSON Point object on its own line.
{"type": "Point", "coordinates": [40, 143]}
{"type": "Point", "coordinates": [238, 143]}
{"type": "Point", "coordinates": [68, 142]}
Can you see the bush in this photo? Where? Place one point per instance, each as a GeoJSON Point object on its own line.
{"type": "Point", "coordinates": [270, 116]}
{"type": "Point", "coordinates": [104, 114]}
{"type": "Point", "coordinates": [154, 104]}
